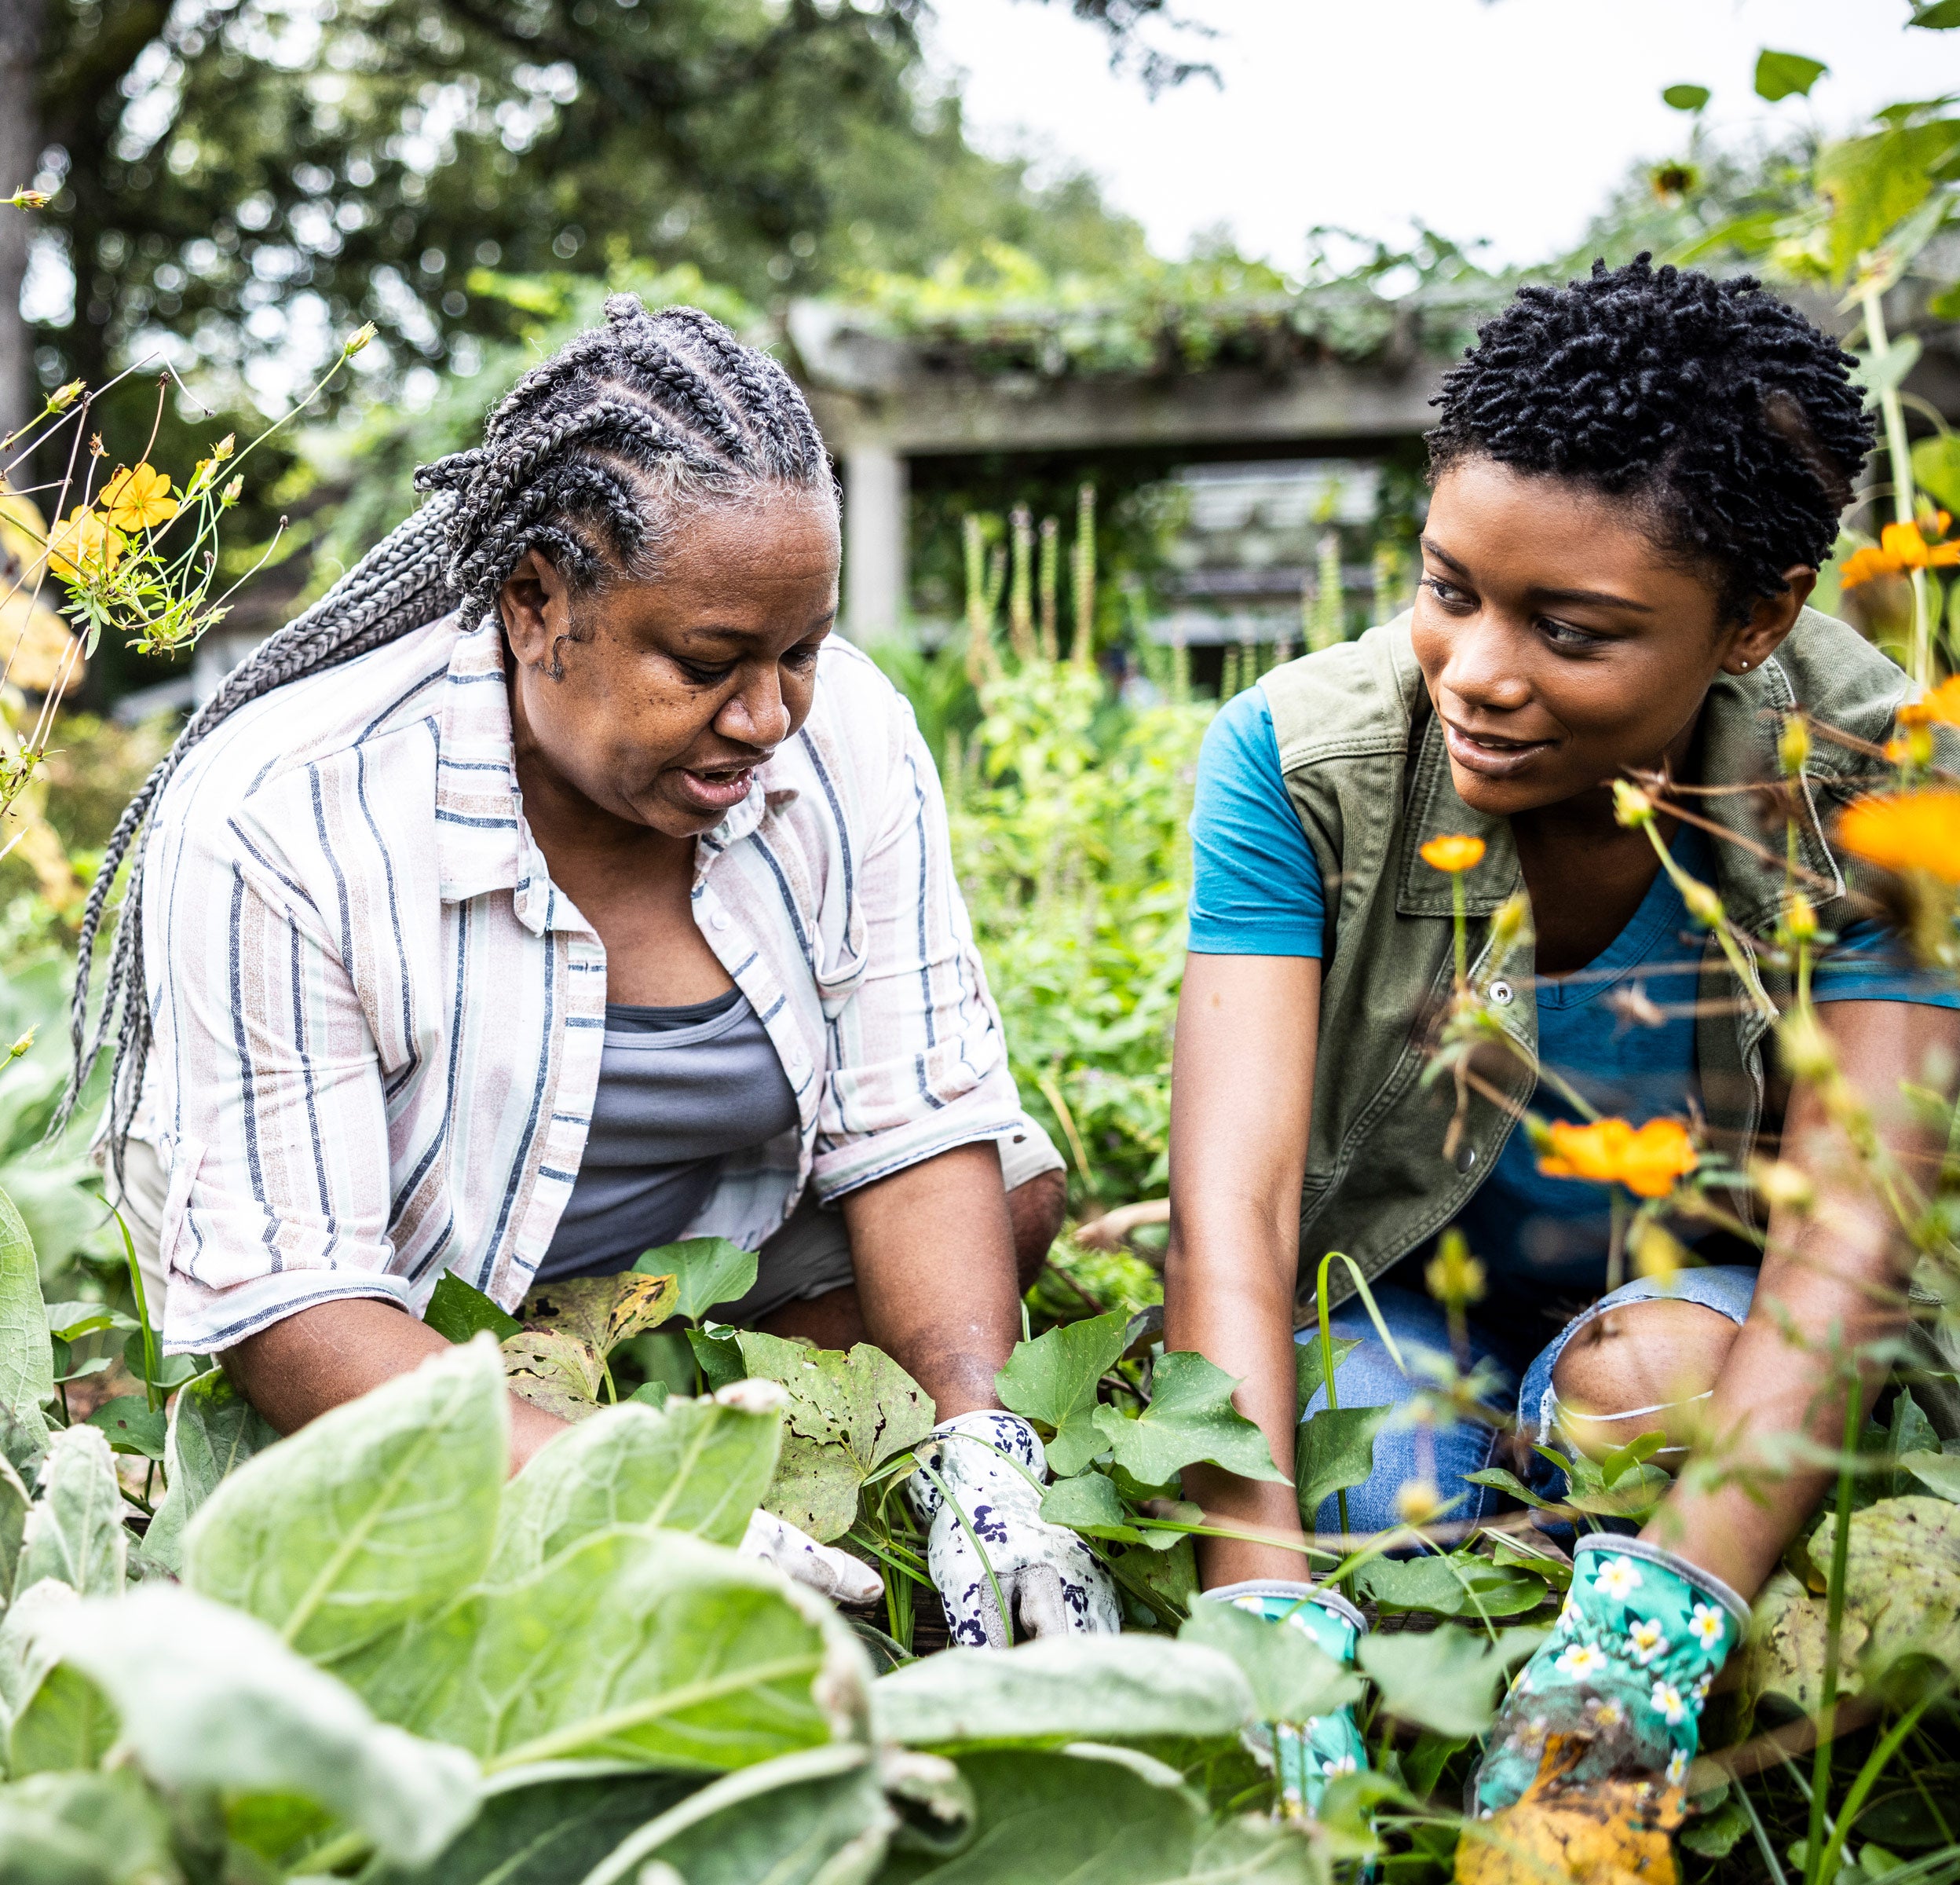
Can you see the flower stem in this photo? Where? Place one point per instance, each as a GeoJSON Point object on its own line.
{"type": "Point", "coordinates": [1814, 1851]}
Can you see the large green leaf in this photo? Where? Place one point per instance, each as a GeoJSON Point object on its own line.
{"type": "Point", "coordinates": [847, 1415]}
{"type": "Point", "coordinates": [1874, 183]}
{"type": "Point", "coordinates": [373, 1514]}
{"type": "Point", "coordinates": [13, 1518]}
{"type": "Point", "coordinates": [213, 1430]}
{"type": "Point", "coordinates": [812, 1818]}
{"type": "Point", "coordinates": [706, 1272]}
{"type": "Point", "coordinates": [66, 1722]}
{"type": "Point", "coordinates": [26, 1653]}
{"type": "Point", "coordinates": [692, 1466]}
{"type": "Point", "coordinates": [1335, 1449]}
{"type": "Point", "coordinates": [1446, 1680]}
{"type": "Point", "coordinates": [1937, 1472]}
{"type": "Point", "coordinates": [1052, 1379]}
{"type": "Point", "coordinates": [27, 1363]}
{"type": "Point", "coordinates": [1084, 1817]}
{"type": "Point", "coordinates": [210, 1698]}
{"type": "Point", "coordinates": [1251, 1850]}
{"type": "Point", "coordinates": [546, 1831]}
{"type": "Point", "coordinates": [1292, 1678]}
{"type": "Point", "coordinates": [1089, 1503]}
{"type": "Point", "coordinates": [1190, 1417]}
{"type": "Point", "coordinates": [456, 1311]}
{"type": "Point", "coordinates": [83, 1829]}
{"type": "Point", "coordinates": [1310, 1373]}
{"type": "Point", "coordinates": [1108, 1687]}
{"type": "Point", "coordinates": [1780, 76]}
{"type": "Point", "coordinates": [74, 1530]}
{"type": "Point", "coordinates": [637, 1645]}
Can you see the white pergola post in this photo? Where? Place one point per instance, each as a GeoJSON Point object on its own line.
{"type": "Point", "coordinates": [874, 542]}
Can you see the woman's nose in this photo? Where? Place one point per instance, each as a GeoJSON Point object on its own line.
{"type": "Point", "coordinates": [1482, 670]}
{"type": "Point", "coordinates": [756, 713]}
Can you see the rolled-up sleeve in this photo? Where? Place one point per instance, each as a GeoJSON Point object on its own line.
{"type": "Point", "coordinates": [267, 1102]}
{"type": "Point", "coordinates": [918, 1062]}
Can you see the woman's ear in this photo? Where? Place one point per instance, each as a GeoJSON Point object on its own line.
{"type": "Point", "coordinates": [536, 609]}
{"type": "Point", "coordinates": [1771, 618]}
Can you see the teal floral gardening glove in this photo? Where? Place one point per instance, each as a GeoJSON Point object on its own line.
{"type": "Point", "coordinates": [1624, 1672]}
{"type": "Point", "coordinates": [1306, 1755]}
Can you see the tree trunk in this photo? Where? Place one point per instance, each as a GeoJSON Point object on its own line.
{"type": "Point", "coordinates": [19, 155]}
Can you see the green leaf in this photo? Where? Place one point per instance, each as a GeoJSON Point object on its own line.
{"type": "Point", "coordinates": [1190, 1417]}
{"type": "Point", "coordinates": [1873, 184]}
{"type": "Point", "coordinates": [1292, 1678]}
{"type": "Point", "coordinates": [74, 1530]}
{"type": "Point", "coordinates": [651, 1394]}
{"type": "Point", "coordinates": [14, 1502]}
{"type": "Point", "coordinates": [1445, 1681]}
{"type": "Point", "coordinates": [133, 1425]}
{"type": "Point", "coordinates": [1063, 1688]}
{"type": "Point", "coordinates": [1936, 461]}
{"type": "Point", "coordinates": [26, 1369]}
{"type": "Point", "coordinates": [1883, 375]}
{"type": "Point", "coordinates": [1169, 1577]}
{"type": "Point", "coordinates": [1078, 1441]}
{"type": "Point", "coordinates": [1686, 97]}
{"type": "Point", "coordinates": [847, 1415]}
{"type": "Point", "coordinates": [1335, 1449]}
{"type": "Point", "coordinates": [708, 1272]}
{"type": "Point", "coordinates": [456, 1311]}
{"type": "Point", "coordinates": [1460, 1585]}
{"type": "Point", "coordinates": [373, 1514]}
{"type": "Point", "coordinates": [1086, 1816]}
{"type": "Point", "coordinates": [1780, 76]}
{"type": "Point", "coordinates": [648, 1647]}
{"type": "Point", "coordinates": [718, 1356]}
{"type": "Point", "coordinates": [84, 1829]}
{"type": "Point", "coordinates": [694, 1466]}
{"type": "Point", "coordinates": [66, 1722]}
{"type": "Point", "coordinates": [602, 1312]}
{"type": "Point", "coordinates": [1091, 1505]}
{"type": "Point", "coordinates": [1715, 1836]}
{"type": "Point", "coordinates": [547, 1831]}
{"type": "Point", "coordinates": [1636, 1452]}
{"type": "Point", "coordinates": [1250, 1850]}
{"type": "Point", "coordinates": [1554, 1568]}
{"type": "Point", "coordinates": [213, 1429]}
{"type": "Point", "coordinates": [1941, 16]}
{"type": "Point", "coordinates": [1937, 1472]}
{"type": "Point", "coordinates": [1309, 1377]}
{"type": "Point", "coordinates": [1496, 1477]}
{"type": "Point", "coordinates": [71, 1321]}
{"type": "Point", "coordinates": [1054, 1376]}
{"type": "Point", "coordinates": [210, 1698]}
{"type": "Point", "coordinates": [804, 1819]}
{"type": "Point", "coordinates": [554, 1370]}
{"type": "Point", "coordinates": [26, 1655]}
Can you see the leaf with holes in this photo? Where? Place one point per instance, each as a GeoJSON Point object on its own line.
{"type": "Point", "coordinates": [556, 1371]}
{"type": "Point", "coordinates": [602, 1312]}
{"type": "Point", "coordinates": [375, 1513]}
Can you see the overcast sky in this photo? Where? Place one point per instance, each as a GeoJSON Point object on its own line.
{"type": "Point", "coordinates": [1510, 120]}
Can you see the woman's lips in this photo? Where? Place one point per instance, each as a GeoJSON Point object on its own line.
{"type": "Point", "coordinates": [719, 791]}
{"type": "Point", "coordinates": [1494, 758]}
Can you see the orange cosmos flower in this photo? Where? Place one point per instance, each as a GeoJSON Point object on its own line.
{"type": "Point", "coordinates": [1452, 852]}
{"type": "Point", "coordinates": [1901, 547]}
{"type": "Point", "coordinates": [1610, 1151]}
{"type": "Point", "coordinates": [84, 547]}
{"type": "Point", "coordinates": [1906, 831]}
{"type": "Point", "coordinates": [139, 499]}
{"type": "Point", "coordinates": [1940, 707]}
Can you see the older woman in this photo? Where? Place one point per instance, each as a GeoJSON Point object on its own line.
{"type": "Point", "coordinates": [557, 887]}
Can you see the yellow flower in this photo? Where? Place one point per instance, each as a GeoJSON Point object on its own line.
{"type": "Point", "coordinates": [83, 547]}
{"type": "Point", "coordinates": [139, 499]}
{"type": "Point", "coordinates": [1907, 831]}
{"type": "Point", "coordinates": [1455, 1277]}
{"type": "Point", "coordinates": [1610, 1151]}
{"type": "Point", "coordinates": [1940, 707]}
{"type": "Point", "coordinates": [1452, 852]}
{"type": "Point", "coordinates": [1901, 547]}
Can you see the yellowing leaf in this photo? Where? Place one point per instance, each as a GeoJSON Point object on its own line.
{"type": "Point", "coordinates": [1607, 1832]}
{"type": "Point", "coordinates": [558, 1372]}
{"type": "Point", "coordinates": [602, 1312]}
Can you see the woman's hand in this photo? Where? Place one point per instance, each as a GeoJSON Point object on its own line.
{"type": "Point", "coordinates": [1241, 1105]}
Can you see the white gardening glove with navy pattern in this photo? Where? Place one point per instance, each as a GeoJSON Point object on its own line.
{"type": "Point", "coordinates": [986, 1531]}
{"type": "Point", "coordinates": [835, 1575]}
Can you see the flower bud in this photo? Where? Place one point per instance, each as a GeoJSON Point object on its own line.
{"type": "Point", "coordinates": [232, 491]}
{"type": "Point", "coordinates": [1800, 919]}
{"type": "Point", "coordinates": [1632, 806]}
{"type": "Point", "coordinates": [21, 1046]}
{"type": "Point", "coordinates": [1783, 1186]}
{"type": "Point", "coordinates": [1806, 1052]}
{"type": "Point", "coordinates": [65, 397]}
{"type": "Point", "coordinates": [358, 339]}
{"type": "Point", "coordinates": [1702, 903]}
{"type": "Point", "coordinates": [1417, 1501]}
{"type": "Point", "coordinates": [1507, 923]}
{"type": "Point", "coordinates": [1453, 1276]}
{"type": "Point", "coordinates": [223, 449]}
{"type": "Point", "coordinates": [1793, 749]}
{"type": "Point", "coordinates": [29, 199]}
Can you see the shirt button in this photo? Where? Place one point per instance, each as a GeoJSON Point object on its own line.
{"type": "Point", "coordinates": [1502, 994]}
{"type": "Point", "coordinates": [1467, 1160]}
{"type": "Point", "coordinates": [719, 920]}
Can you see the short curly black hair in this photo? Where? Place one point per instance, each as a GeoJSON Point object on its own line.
{"type": "Point", "coordinates": [1728, 419]}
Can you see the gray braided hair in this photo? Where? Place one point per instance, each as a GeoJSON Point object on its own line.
{"type": "Point", "coordinates": [592, 459]}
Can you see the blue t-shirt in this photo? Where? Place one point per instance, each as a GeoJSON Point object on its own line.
{"type": "Point", "coordinates": [1255, 890]}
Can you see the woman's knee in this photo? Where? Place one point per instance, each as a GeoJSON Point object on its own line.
{"type": "Point", "coordinates": [1640, 1367]}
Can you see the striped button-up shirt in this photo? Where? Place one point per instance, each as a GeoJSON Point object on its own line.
{"type": "Point", "coordinates": [379, 1023]}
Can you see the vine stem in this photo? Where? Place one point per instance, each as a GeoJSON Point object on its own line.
{"type": "Point", "coordinates": [1814, 1850]}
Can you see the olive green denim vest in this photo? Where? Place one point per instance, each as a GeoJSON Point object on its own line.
{"type": "Point", "coordinates": [1362, 755]}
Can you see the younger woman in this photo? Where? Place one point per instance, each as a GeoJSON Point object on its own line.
{"type": "Point", "coordinates": [1635, 481]}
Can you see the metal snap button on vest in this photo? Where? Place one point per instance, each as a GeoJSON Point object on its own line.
{"type": "Point", "coordinates": [1502, 994]}
{"type": "Point", "coordinates": [1467, 1160]}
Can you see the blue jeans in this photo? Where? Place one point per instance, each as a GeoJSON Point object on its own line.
{"type": "Point", "coordinates": [1403, 1452]}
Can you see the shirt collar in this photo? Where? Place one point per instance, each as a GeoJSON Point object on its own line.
{"type": "Point", "coordinates": [481, 841]}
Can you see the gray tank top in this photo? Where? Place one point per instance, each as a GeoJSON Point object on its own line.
{"type": "Point", "coordinates": [679, 1089]}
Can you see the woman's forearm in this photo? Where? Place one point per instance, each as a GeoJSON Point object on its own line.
{"type": "Point", "coordinates": [308, 1364]}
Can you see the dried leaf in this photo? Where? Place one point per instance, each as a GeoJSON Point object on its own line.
{"type": "Point", "coordinates": [602, 1312]}
{"type": "Point", "coordinates": [556, 1371]}
{"type": "Point", "coordinates": [1607, 1832]}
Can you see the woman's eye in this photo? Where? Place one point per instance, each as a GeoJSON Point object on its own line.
{"type": "Point", "coordinates": [704, 676]}
{"type": "Point", "coordinates": [1447, 594]}
{"type": "Point", "coordinates": [802, 660]}
{"type": "Point", "coordinates": [1563, 634]}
